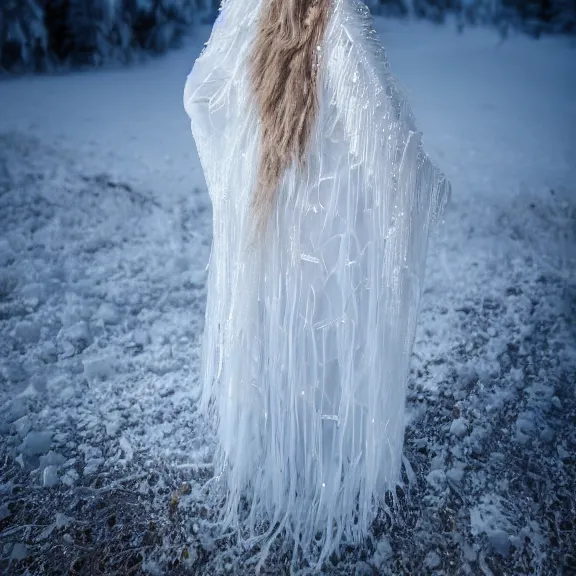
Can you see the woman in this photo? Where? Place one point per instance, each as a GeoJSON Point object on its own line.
{"type": "Point", "coordinates": [323, 201]}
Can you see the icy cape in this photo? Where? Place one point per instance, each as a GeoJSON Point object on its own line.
{"type": "Point", "coordinates": [307, 339]}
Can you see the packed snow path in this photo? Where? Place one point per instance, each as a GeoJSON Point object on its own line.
{"type": "Point", "coordinates": [104, 237]}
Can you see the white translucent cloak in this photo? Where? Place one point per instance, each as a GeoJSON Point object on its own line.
{"type": "Point", "coordinates": [306, 347]}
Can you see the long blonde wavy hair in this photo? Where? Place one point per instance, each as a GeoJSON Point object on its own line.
{"type": "Point", "coordinates": [283, 69]}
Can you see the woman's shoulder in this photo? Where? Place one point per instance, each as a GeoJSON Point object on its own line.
{"type": "Point", "coordinates": [354, 52]}
{"type": "Point", "coordinates": [352, 32]}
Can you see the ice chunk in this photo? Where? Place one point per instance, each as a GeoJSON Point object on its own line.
{"type": "Point", "coordinates": [92, 465]}
{"type": "Point", "coordinates": [437, 480]}
{"type": "Point", "coordinates": [36, 443]}
{"type": "Point", "coordinates": [108, 313]}
{"type": "Point", "coordinates": [477, 439]}
{"type": "Point", "coordinates": [564, 454]}
{"type": "Point", "coordinates": [99, 368]}
{"type": "Point", "coordinates": [52, 459]}
{"type": "Point", "coordinates": [469, 552]}
{"type": "Point", "coordinates": [22, 426]}
{"type": "Point", "coordinates": [33, 291]}
{"type": "Point", "coordinates": [384, 549]}
{"type": "Point", "coordinates": [113, 422]}
{"type": "Point", "coordinates": [4, 512]}
{"type": "Point", "coordinates": [48, 353]}
{"type": "Point", "coordinates": [17, 408]}
{"type": "Point", "coordinates": [6, 253]}
{"type": "Point", "coordinates": [78, 335]}
{"type": "Point", "coordinates": [27, 332]}
{"type": "Point", "coordinates": [141, 337]}
{"type": "Point", "coordinates": [127, 449]}
{"type": "Point", "coordinates": [459, 427]}
{"type": "Point", "coordinates": [70, 478]}
{"type": "Point", "coordinates": [433, 560]}
{"type": "Point", "coordinates": [455, 475]}
{"type": "Point", "coordinates": [525, 427]}
{"type": "Point", "coordinates": [90, 451]}
{"type": "Point", "coordinates": [547, 434]}
{"type": "Point", "coordinates": [38, 382]}
{"type": "Point", "coordinates": [19, 551]}
{"type": "Point", "coordinates": [363, 569]}
{"type": "Point", "coordinates": [50, 476]}
{"type": "Point", "coordinates": [500, 542]}
{"type": "Point", "coordinates": [437, 462]}
{"type": "Point", "coordinates": [15, 373]}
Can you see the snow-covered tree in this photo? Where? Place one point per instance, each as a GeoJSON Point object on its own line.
{"type": "Point", "coordinates": [539, 16]}
{"type": "Point", "coordinates": [564, 15]}
{"type": "Point", "coordinates": [87, 31]}
{"type": "Point", "coordinates": [159, 24]}
{"type": "Point", "coordinates": [37, 33]}
{"type": "Point", "coordinates": [23, 36]}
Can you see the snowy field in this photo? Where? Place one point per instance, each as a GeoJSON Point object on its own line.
{"type": "Point", "coordinates": [104, 237]}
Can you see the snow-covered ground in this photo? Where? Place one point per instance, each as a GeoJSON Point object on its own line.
{"type": "Point", "coordinates": [104, 237]}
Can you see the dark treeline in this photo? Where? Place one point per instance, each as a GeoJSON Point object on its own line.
{"type": "Point", "coordinates": [41, 35]}
{"type": "Point", "coordinates": [533, 16]}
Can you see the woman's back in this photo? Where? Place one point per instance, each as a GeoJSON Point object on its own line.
{"type": "Point", "coordinates": [310, 324]}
